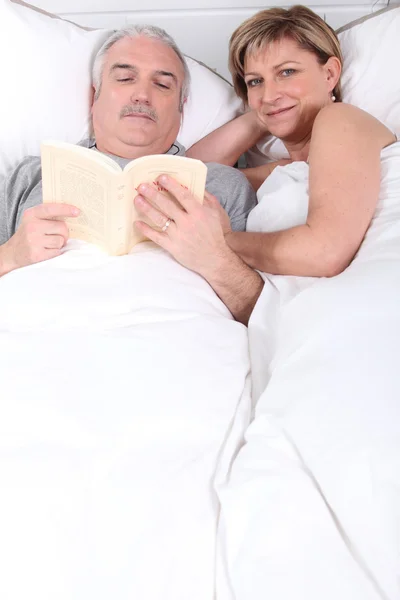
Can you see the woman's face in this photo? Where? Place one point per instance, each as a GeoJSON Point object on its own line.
{"type": "Point", "coordinates": [287, 87]}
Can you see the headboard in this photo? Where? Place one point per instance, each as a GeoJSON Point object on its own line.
{"type": "Point", "coordinates": [201, 27]}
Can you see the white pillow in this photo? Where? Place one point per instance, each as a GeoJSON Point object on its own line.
{"type": "Point", "coordinates": [46, 67]}
{"type": "Point", "coordinates": [370, 79]}
{"type": "Point", "coordinates": [212, 102]}
{"type": "Point", "coordinates": [46, 73]}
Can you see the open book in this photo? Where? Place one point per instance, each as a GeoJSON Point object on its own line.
{"type": "Point", "coordinates": [104, 192]}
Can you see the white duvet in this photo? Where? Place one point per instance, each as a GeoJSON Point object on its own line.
{"type": "Point", "coordinates": [120, 380]}
{"type": "Point", "coordinates": [312, 507]}
{"type": "Point", "coordinates": [124, 399]}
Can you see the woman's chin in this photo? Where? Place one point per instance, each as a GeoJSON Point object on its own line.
{"type": "Point", "coordinates": [282, 131]}
{"type": "Point", "coordinates": [278, 129]}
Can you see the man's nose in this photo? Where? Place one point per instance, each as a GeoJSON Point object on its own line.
{"type": "Point", "coordinates": [141, 93]}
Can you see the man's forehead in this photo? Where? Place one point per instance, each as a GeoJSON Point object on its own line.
{"type": "Point", "coordinates": [145, 53]}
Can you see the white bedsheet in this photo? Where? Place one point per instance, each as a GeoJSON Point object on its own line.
{"type": "Point", "coordinates": [312, 507]}
{"type": "Point", "coordinates": [120, 379]}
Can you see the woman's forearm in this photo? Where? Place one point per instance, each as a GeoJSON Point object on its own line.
{"type": "Point", "coordinates": [227, 143]}
{"type": "Point", "coordinates": [294, 251]}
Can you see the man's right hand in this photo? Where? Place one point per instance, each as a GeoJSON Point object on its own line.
{"type": "Point", "coordinates": [41, 235]}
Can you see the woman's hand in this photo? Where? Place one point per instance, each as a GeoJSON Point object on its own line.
{"type": "Point", "coordinates": [193, 233]}
{"type": "Point", "coordinates": [226, 144]}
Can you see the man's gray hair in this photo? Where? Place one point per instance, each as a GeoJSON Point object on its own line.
{"type": "Point", "coordinates": [132, 31]}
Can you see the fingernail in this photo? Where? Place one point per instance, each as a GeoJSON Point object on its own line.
{"type": "Point", "coordinates": [139, 199]}
{"type": "Point", "coordinates": [75, 211]}
{"type": "Point", "coordinates": [163, 179]}
{"type": "Point", "coordinates": [142, 188]}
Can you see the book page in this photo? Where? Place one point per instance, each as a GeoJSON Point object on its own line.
{"type": "Point", "coordinates": [189, 172]}
{"type": "Point", "coordinates": [76, 179]}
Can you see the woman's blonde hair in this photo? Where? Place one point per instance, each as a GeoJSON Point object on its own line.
{"type": "Point", "coordinates": [298, 23]}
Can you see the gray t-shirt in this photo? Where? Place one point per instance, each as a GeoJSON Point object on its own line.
{"type": "Point", "coordinates": [22, 189]}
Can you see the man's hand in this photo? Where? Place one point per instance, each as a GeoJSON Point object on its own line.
{"type": "Point", "coordinates": [223, 215]}
{"type": "Point", "coordinates": [41, 235]}
{"type": "Point", "coordinates": [195, 232]}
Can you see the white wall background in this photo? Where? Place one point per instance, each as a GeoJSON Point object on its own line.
{"type": "Point", "coordinates": [201, 27]}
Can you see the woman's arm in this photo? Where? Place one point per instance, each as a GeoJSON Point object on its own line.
{"type": "Point", "coordinates": [227, 143]}
{"type": "Point", "coordinates": [344, 184]}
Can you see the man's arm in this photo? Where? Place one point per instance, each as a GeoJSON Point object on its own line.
{"type": "Point", "coordinates": [41, 236]}
{"type": "Point", "coordinates": [235, 283]}
{"type": "Point", "coordinates": [234, 192]}
{"type": "Point", "coordinates": [20, 190]}
{"type": "Point", "coordinates": [195, 238]}
{"type": "Point", "coordinates": [29, 231]}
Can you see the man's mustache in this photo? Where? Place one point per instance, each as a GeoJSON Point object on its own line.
{"type": "Point", "coordinates": [139, 109]}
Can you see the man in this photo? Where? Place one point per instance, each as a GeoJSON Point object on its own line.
{"type": "Point", "coordinates": [141, 82]}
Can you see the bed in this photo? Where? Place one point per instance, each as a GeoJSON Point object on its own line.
{"type": "Point", "coordinates": [152, 447]}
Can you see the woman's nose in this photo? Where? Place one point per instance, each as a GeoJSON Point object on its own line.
{"type": "Point", "coordinates": [271, 92]}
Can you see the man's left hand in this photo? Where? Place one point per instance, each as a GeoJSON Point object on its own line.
{"type": "Point", "coordinates": [193, 233]}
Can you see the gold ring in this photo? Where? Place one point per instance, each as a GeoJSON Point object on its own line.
{"type": "Point", "coordinates": [167, 224]}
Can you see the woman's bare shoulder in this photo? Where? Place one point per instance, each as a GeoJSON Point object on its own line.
{"type": "Point", "coordinates": [347, 120]}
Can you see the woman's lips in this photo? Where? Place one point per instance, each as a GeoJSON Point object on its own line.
{"type": "Point", "coordinates": [279, 112]}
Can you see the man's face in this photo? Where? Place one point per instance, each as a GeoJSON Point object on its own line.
{"type": "Point", "coordinates": [137, 112]}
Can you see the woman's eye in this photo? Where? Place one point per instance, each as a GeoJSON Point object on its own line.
{"type": "Point", "coordinates": [253, 82]}
{"type": "Point", "coordinates": [287, 72]}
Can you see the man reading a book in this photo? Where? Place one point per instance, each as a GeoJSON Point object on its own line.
{"type": "Point", "coordinates": [141, 82]}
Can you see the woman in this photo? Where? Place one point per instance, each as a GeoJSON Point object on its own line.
{"type": "Point", "coordinates": [286, 65]}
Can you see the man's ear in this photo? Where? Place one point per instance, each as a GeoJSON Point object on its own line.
{"type": "Point", "coordinates": [91, 97]}
{"type": "Point", "coordinates": [182, 108]}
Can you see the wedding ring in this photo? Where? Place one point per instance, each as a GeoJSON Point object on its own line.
{"type": "Point", "coordinates": [167, 224]}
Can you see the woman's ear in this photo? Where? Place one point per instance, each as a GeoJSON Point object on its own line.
{"type": "Point", "coordinates": [333, 70]}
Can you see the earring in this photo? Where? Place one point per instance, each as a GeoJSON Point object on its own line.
{"type": "Point", "coordinates": [333, 98]}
